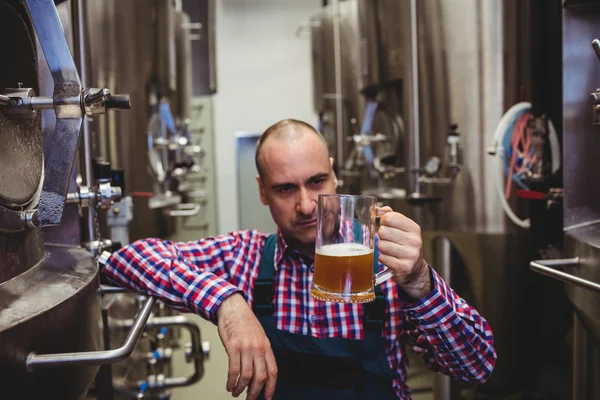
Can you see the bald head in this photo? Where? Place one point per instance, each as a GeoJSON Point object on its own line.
{"type": "Point", "coordinates": [287, 130]}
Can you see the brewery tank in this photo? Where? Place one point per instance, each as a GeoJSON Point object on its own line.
{"type": "Point", "coordinates": [457, 62]}
{"type": "Point", "coordinates": [133, 46]}
{"type": "Point", "coordinates": [48, 283]}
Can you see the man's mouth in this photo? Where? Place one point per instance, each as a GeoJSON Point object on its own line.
{"type": "Point", "coordinates": [307, 224]}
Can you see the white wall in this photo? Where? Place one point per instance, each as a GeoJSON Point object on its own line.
{"type": "Point", "coordinates": [264, 75]}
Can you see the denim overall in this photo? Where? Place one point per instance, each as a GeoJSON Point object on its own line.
{"type": "Point", "coordinates": [328, 368]}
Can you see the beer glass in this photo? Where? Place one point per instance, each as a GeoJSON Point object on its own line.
{"type": "Point", "coordinates": [344, 269]}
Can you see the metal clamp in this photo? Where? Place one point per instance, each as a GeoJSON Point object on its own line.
{"type": "Point", "coordinates": [184, 210]}
{"type": "Point", "coordinates": [96, 357]}
{"type": "Point", "coordinates": [196, 351]}
{"type": "Point", "coordinates": [548, 268]}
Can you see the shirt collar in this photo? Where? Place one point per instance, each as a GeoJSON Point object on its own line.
{"type": "Point", "coordinates": [282, 247]}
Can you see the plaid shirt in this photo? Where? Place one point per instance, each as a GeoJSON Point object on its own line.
{"type": "Point", "coordinates": [197, 276]}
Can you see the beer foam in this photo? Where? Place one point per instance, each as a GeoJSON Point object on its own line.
{"type": "Point", "coordinates": [344, 250]}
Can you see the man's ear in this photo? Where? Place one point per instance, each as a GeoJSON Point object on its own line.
{"type": "Point", "coordinates": [261, 190]}
{"type": "Point", "coordinates": [335, 180]}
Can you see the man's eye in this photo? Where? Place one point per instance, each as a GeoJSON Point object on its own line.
{"type": "Point", "coordinates": [285, 189]}
{"type": "Point", "coordinates": [317, 182]}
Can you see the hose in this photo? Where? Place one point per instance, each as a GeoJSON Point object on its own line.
{"type": "Point", "coordinates": [499, 134]}
{"type": "Point", "coordinates": [497, 149]}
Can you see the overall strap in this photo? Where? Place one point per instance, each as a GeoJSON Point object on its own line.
{"type": "Point", "coordinates": [374, 312]}
{"type": "Point", "coordinates": [263, 287]}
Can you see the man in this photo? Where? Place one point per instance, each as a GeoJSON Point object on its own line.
{"type": "Point", "coordinates": [319, 349]}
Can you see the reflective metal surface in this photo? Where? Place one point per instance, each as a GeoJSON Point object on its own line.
{"type": "Point", "coordinates": [183, 54]}
{"type": "Point", "coordinates": [153, 71]}
{"type": "Point", "coordinates": [349, 75]}
{"type": "Point", "coordinates": [194, 351]}
{"type": "Point", "coordinates": [39, 361]}
{"type": "Point", "coordinates": [584, 243]}
{"type": "Point", "coordinates": [489, 271]}
{"type": "Point", "coordinates": [19, 252]}
{"type": "Point", "coordinates": [462, 81]}
{"type": "Point", "coordinates": [69, 114]}
{"type": "Point", "coordinates": [581, 76]}
{"type": "Point", "coordinates": [459, 62]}
{"type": "Point", "coordinates": [37, 310]}
{"type": "Point", "coordinates": [21, 157]}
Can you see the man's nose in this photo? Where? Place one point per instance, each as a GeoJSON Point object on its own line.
{"type": "Point", "coordinates": [306, 203]}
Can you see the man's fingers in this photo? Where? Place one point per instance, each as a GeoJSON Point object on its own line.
{"type": "Point", "coordinates": [234, 369]}
{"type": "Point", "coordinates": [399, 236]}
{"type": "Point", "coordinates": [245, 374]}
{"type": "Point", "coordinates": [399, 221]}
{"type": "Point", "coordinates": [383, 210]}
{"type": "Point", "coordinates": [259, 378]}
{"type": "Point", "coordinates": [271, 374]}
{"type": "Point", "coordinates": [398, 251]}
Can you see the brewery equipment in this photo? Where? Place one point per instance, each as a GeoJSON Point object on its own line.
{"type": "Point", "coordinates": [152, 144]}
{"type": "Point", "coordinates": [441, 74]}
{"type": "Point", "coordinates": [155, 154]}
{"type": "Point", "coordinates": [580, 265]}
{"type": "Point", "coordinates": [49, 318]}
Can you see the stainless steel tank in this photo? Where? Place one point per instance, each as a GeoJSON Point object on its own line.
{"type": "Point", "coordinates": [455, 62]}
{"type": "Point", "coordinates": [132, 47]}
{"type": "Point", "coordinates": [581, 269]}
{"type": "Point", "coordinates": [48, 300]}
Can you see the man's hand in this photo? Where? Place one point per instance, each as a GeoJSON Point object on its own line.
{"type": "Point", "coordinates": [251, 360]}
{"type": "Point", "coordinates": [400, 247]}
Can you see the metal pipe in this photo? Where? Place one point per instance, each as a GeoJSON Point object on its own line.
{"type": "Point", "coordinates": [42, 103]}
{"type": "Point", "coordinates": [339, 110]}
{"type": "Point", "coordinates": [581, 360]}
{"type": "Point", "coordinates": [79, 45]}
{"type": "Point", "coordinates": [544, 267]}
{"type": "Point", "coordinates": [196, 352]}
{"type": "Point", "coordinates": [414, 126]}
{"type": "Point", "coordinates": [4, 100]}
{"type": "Point", "coordinates": [105, 289]}
{"type": "Point", "coordinates": [96, 357]}
{"type": "Point", "coordinates": [444, 389]}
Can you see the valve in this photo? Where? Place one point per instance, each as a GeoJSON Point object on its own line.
{"type": "Point", "coordinates": [102, 196]}
{"type": "Point", "coordinates": [22, 103]}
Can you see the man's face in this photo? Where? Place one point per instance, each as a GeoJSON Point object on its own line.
{"type": "Point", "coordinates": [295, 172]}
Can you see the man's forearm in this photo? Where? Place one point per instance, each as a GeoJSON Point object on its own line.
{"type": "Point", "coordinates": [154, 267]}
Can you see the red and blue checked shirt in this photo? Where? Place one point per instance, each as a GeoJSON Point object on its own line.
{"type": "Point", "coordinates": [197, 276]}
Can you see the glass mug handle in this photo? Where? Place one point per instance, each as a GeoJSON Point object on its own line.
{"type": "Point", "coordinates": [387, 273]}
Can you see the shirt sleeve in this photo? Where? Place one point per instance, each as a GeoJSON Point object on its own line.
{"type": "Point", "coordinates": [451, 335]}
{"type": "Point", "coordinates": [188, 276]}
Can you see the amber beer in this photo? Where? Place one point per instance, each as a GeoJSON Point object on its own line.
{"type": "Point", "coordinates": [344, 268]}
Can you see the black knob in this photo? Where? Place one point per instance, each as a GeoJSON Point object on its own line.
{"type": "Point", "coordinates": [453, 130]}
{"type": "Point", "coordinates": [185, 164]}
{"type": "Point", "coordinates": [102, 170]}
{"type": "Point", "coordinates": [118, 101]}
{"type": "Point", "coordinates": [118, 179]}
{"type": "Point", "coordinates": [115, 246]}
